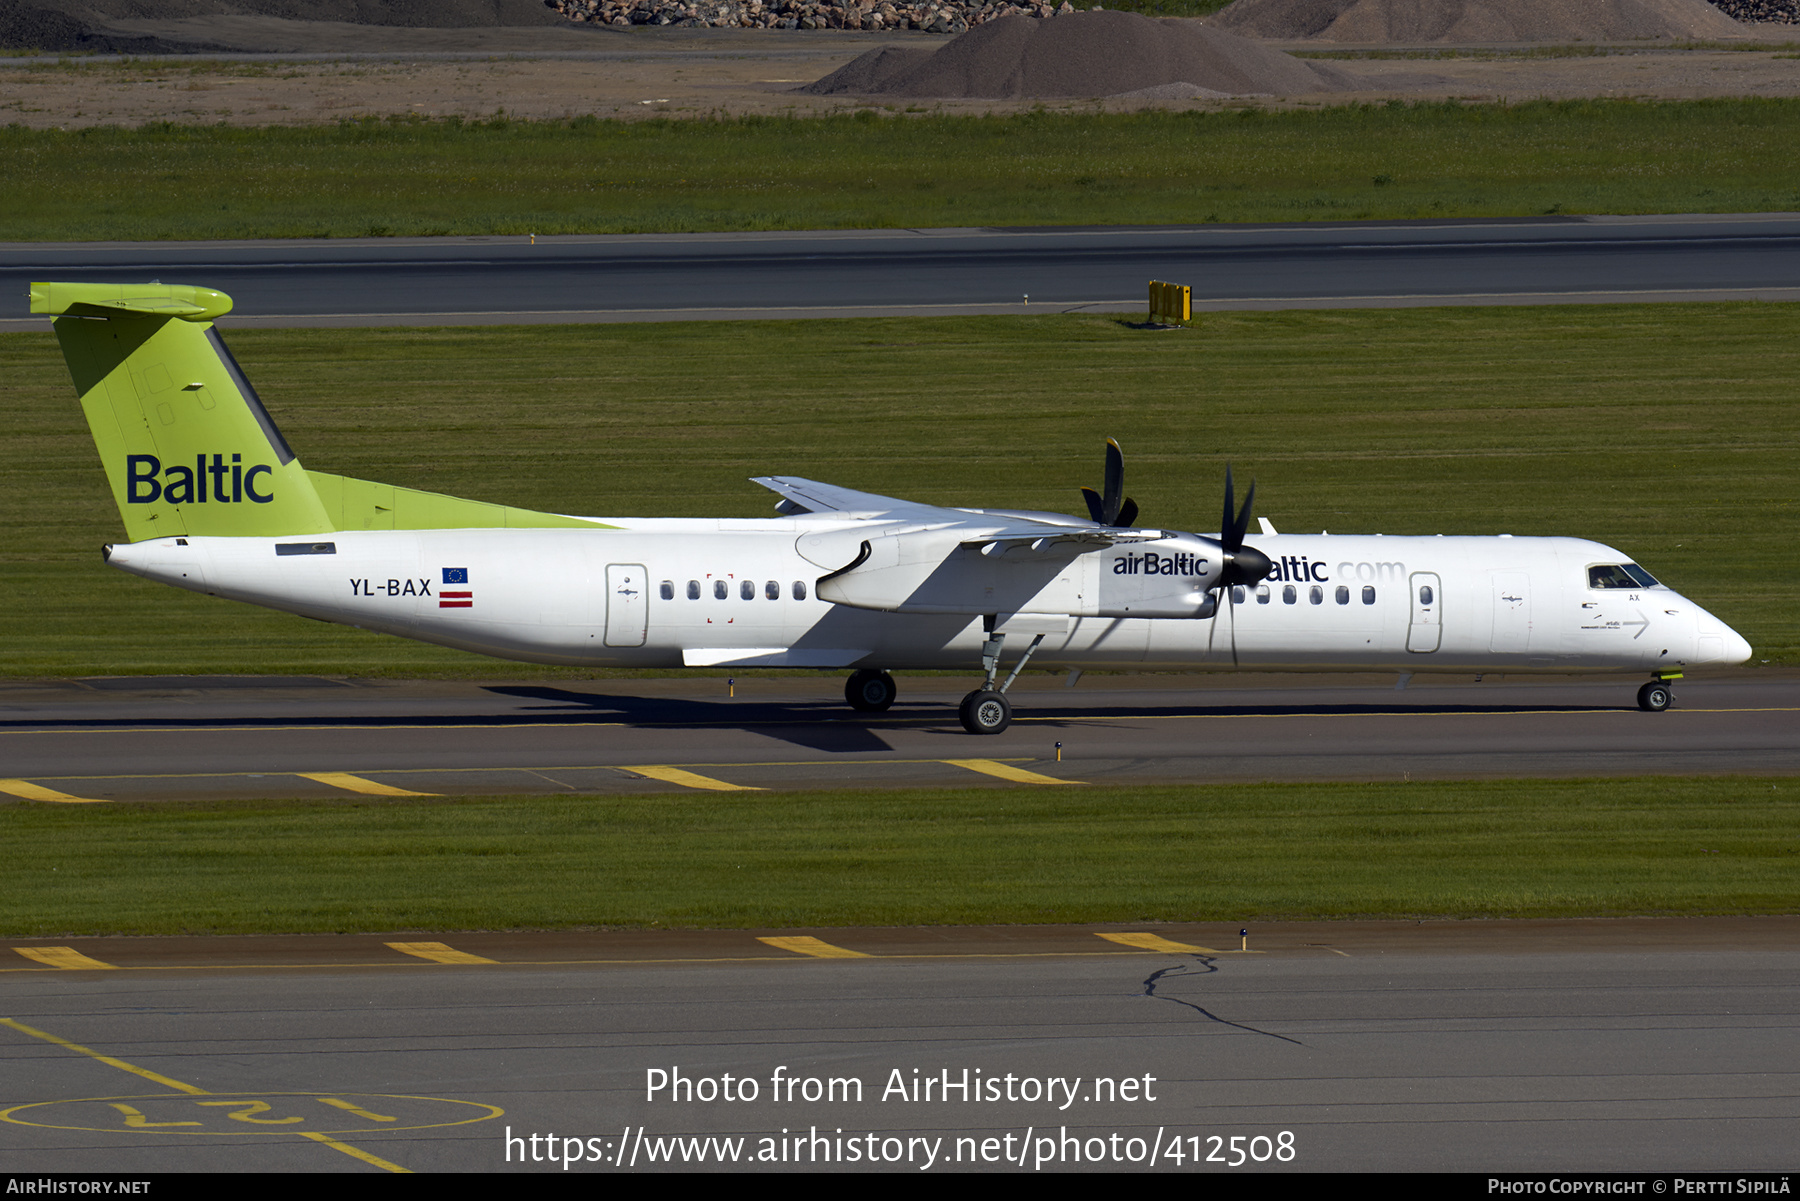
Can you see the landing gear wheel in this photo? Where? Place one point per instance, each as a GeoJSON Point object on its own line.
{"type": "Point", "coordinates": [1654, 697]}
{"type": "Point", "coordinates": [870, 691]}
{"type": "Point", "coordinates": [984, 712]}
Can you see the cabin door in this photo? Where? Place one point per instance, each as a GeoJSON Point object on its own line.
{"type": "Point", "coordinates": [627, 604]}
{"type": "Point", "coordinates": [1426, 630]}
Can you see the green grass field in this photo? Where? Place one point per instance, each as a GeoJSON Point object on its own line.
{"type": "Point", "coordinates": [934, 856]}
{"type": "Point", "coordinates": [1666, 430]}
{"type": "Point", "coordinates": [883, 169]}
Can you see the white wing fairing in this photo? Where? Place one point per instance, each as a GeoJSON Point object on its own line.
{"type": "Point", "coordinates": [842, 579]}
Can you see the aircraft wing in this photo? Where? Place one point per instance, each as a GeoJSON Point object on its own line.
{"type": "Point", "coordinates": [982, 527]}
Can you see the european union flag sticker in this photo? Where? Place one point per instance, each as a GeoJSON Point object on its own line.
{"type": "Point", "coordinates": [456, 575]}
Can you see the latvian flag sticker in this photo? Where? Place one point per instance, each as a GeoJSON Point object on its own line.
{"type": "Point", "coordinates": [454, 576]}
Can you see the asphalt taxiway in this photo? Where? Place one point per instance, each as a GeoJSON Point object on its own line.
{"type": "Point", "coordinates": [152, 738]}
{"type": "Point", "coordinates": [945, 272]}
{"type": "Point", "coordinates": [1629, 1046]}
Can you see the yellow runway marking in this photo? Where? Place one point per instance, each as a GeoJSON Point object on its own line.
{"type": "Point", "coordinates": [64, 957]}
{"type": "Point", "coordinates": [993, 767]}
{"type": "Point", "coordinates": [1155, 942]}
{"type": "Point", "coordinates": [146, 1073]}
{"type": "Point", "coordinates": [805, 944]}
{"type": "Point", "coordinates": [350, 783]}
{"type": "Point", "coordinates": [688, 779]}
{"type": "Point", "coordinates": [37, 792]}
{"type": "Point", "coordinates": [437, 952]}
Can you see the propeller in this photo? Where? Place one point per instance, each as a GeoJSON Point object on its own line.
{"type": "Point", "coordinates": [1244, 565]}
{"type": "Point", "coordinates": [1114, 508]}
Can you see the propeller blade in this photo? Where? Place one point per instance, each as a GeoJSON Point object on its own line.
{"type": "Point", "coordinates": [1115, 481]}
{"type": "Point", "coordinates": [1096, 509]}
{"type": "Point", "coordinates": [1225, 522]}
{"type": "Point", "coordinates": [1128, 513]}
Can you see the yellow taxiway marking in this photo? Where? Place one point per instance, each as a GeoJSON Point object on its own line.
{"type": "Point", "coordinates": [688, 779]}
{"type": "Point", "coordinates": [146, 1073]}
{"type": "Point", "coordinates": [37, 792]}
{"type": "Point", "coordinates": [1154, 942]}
{"type": "Point", "coordinates": [350, 783]}
{"type": "Point", "coordinates": [178, 1086]}
{"type": "Point", "coordinates": [356, 1152]}
{"type": "Point", "coordinates": [805, 944]}
{"type": "Point", "coordinates": [437, 952]}
{"type": "Point", "coordinates": [993, 767]}
{"type": "Point", "coordinates": [64, 957]}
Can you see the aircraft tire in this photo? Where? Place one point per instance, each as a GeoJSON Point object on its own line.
{"type": "Point", "coordinates": [1654, 697]}
{"type": "Point", "coordinates": [984, 712]}
{"type": "Point", "coordinates": [870, 691]}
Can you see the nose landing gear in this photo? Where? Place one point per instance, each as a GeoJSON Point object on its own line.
{"type": "Point", "coordinates": [1655, 696]}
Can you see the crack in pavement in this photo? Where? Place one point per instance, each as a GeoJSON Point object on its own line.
{"type": "Point", "coordinates": [1206, 963]}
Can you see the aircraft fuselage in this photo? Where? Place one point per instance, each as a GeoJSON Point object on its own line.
{"type": "Point", "coordinates": [699, 593]}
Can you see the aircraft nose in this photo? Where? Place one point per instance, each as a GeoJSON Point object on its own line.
{"type": "Point", "coordinates": [1719, 643]}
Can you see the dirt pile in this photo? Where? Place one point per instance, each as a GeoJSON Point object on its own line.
{"type": "Point", "coordinates": [1781, 12]}
{"type": "Point", "coordinates": [81, 25]}
{"type": "Point", "coordinates": [1421, 22]}
{"type": "Point", "coordinates": [1081, 54]}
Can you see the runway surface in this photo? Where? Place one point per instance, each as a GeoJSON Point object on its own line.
{"type": "Point", "coordinates": [658, 277]}
{"type": "Point", "coordinates": [1631, 1046]}
{"type": "Point", "coordinates": [138, 738]}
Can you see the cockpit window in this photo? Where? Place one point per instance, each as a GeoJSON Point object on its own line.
{"type": "Point", "coordinates": [1619, 575]}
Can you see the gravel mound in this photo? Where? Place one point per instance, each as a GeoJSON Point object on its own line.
{"type": "Point", "coordinates": [1418, 22]}
{"type": "Point", "coordinates": [81, 25]}
{"type": "Point", "coordinates": [1081, 54]}
{"type": "Point", "coordinates": [1780, 12]}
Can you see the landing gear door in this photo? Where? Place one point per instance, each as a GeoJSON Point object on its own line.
{"type": "Point", "coordinates": [1426, 630]}
{"type": "Point", "coordinates": [627, 604]}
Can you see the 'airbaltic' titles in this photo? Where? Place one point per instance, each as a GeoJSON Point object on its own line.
{"type": "Point", "coordinates": [231, 483]}
{"type": "Point", "coordinates": [1288, 569]}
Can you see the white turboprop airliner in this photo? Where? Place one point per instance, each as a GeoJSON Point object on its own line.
{"type": "Point", "coordinates": [215, 501]}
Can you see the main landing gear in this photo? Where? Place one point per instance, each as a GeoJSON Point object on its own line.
{"type": "Point", "coordinates": [870, 691]}
{"type": "Point", "coordinates": [1655, 696]}
{"type": "Point", "coordinates": [986, 710]}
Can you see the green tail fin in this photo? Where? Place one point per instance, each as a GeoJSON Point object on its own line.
{"type": "Point", "coordinates": [188, 446]}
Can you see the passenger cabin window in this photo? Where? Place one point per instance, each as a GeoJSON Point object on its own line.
{"type": "Point", "coordinates": [799, 589]}
{"type": "Point", "coordinates": [693, 589]}
{"type": "Point", "coordinates": [721, 590]}
{"type": "Point", "coordinates": [1426, 595]}
{"type": "Point", "coordinates": [1343, 594]}
{"type": "Point", "coordinates": [747, 589]}
{"type": "Point", "coordinates": [1368, 594]}
{"type": "Point", "coordinates": [772, 589]}
{"type": "Point", "coordinates": [1237, 594]}
{"type": "Point", "coordinates": [1316, 595]}
{"type": "Point", "coordinates": [1262, 594]}
{"type": "Point", "coordinates": [1619, 575]}
{"type": "Point", "coordinates": [668, 589]}
{"type": "Point", "coordinates": [1288, 594]}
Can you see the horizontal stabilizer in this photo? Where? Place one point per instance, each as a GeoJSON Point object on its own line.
{"type": "Point", "coordinates": [142, 300]}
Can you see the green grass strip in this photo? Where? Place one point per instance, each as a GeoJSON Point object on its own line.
{"type": "Point", "coordinates": [1665, 430]}
{"type": "Point", "coordinates": [1489, 849]}
{"type": "Point", "coordinates": [884, 169]}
